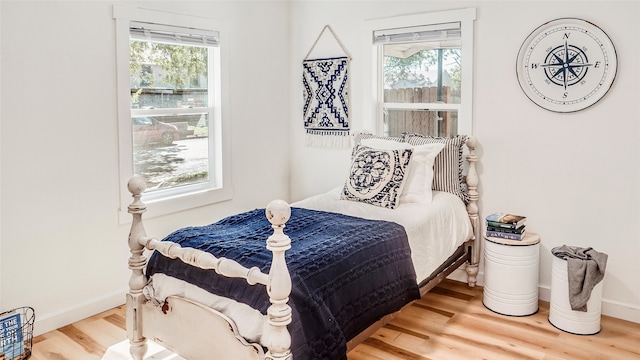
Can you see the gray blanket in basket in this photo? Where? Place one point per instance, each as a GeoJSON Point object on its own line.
{"type": "Point", "coordinates": [585, 269]}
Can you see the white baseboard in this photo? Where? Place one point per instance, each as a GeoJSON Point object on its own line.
{"type": "Point", "coordinates": [460, 274]}
{"type": "Point", "coordinates": [48, 322]}
{"type": "Point", "coordinates": [611, 308]}
{"type": "Point", "coordinates": [621, 310]}
{"type": "Point", "coordinates": [52, 321]}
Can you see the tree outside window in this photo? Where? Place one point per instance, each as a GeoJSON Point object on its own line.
{"type": "Point", "coordinates": [166, 93]}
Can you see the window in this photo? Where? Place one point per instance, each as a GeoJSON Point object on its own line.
{"type": "Point", "coordinates": [421, 73]}
{"type": "Point", "coordinates": [171, 113]}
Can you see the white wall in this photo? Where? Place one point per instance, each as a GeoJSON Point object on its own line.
{"type": "Point", "coordinates": [62, 250]}
{"type": "Point", "coordinates": [575, 176]}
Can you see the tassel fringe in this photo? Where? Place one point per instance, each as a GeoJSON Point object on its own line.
{"type": "Point", "coordinates": [328, 138]}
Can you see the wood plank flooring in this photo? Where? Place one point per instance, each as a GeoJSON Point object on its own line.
{"type": "Point", "coordinates": [448, 323]}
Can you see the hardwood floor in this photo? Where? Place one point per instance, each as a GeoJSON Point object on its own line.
{"type": "Point", "coordinates": [448, 323]}
{"type": "Point", "coordinates": [85, 340]}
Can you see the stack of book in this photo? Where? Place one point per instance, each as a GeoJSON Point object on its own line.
{"type": "Point", "coordinates": [506, 226]}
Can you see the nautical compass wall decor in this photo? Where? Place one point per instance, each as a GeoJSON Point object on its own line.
{"type": "Point", "coordinates": [566, 65]}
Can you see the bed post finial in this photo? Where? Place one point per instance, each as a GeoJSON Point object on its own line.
{"type": "Point", "coordinates": [137, 262]}
{"type": "Point", "coordinates": [136, 185]}
{"type": "Point", "coordinates": [278, 212]}
{"type": "Point", "coordinates": [279, 284]}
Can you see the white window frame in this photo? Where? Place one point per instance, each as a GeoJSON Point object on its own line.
{"type": "Point", "coordinates": [190, 196]}
{"type": "Point", "coordinates": [373, 102]}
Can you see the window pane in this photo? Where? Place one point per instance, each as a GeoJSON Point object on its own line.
{"type": "Point", "coordinates": [425, 122]}
{"type": "Point", "coordinates": [169, 153]}
{"type": "Point", "coordinates": [170, 113]}
{"type": "Point", "coordinates": [168, 76]}
{"type": "Point", "coordinates": [419, 73]}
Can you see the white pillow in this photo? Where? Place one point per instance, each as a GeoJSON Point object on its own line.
{"type": "Point", "coordinates": [448, 165]}
{"type": "Point", "coordinates": [417, 188]}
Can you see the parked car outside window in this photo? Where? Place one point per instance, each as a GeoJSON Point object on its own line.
{"type": "Point", "coordinates": [148, 131]}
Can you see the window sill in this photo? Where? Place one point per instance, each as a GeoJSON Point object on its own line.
{"type": "Point", "coordinates": [177, 203]}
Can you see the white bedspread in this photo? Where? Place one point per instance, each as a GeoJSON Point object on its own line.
{"type": "Point", "coordinates": [435, 230]}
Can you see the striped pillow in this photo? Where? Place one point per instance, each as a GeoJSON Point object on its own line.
{"type": "Point", "coordinates": [447, 167]}
{"type": "Point", "coordinates": [360, 136]}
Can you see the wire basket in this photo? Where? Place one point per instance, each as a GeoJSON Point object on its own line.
{"type": "Point", "coordinates": [16, 333]}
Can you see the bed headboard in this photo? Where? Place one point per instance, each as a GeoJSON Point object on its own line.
{"type": "Point", "coordinates": [454, 172]}
{"type": "Point", "coordinates": [472, 180]}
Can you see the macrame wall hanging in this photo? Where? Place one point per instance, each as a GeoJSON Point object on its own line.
{"type": "Point", "coordinates": [326, 98]}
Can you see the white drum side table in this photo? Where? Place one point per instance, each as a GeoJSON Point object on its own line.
{"type": "Point", "coordinates": [511, 275]}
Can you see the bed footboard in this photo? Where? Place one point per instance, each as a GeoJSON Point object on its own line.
{"type": "Point", "coordinates": [277, 282]}
{"type": "Point", "coordinates": [173, 327]}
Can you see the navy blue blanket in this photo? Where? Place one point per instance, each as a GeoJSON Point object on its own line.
{"type": "Point", "coordinates": [346, 272]}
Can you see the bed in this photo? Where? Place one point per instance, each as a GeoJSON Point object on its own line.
{"type": "Point", "coordinates": [348, 260]}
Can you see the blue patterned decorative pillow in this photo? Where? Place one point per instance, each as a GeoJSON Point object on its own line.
{"type": "Point", "coordinates": [417, 188]}
{"type": "Point", "coordinates": [377, 176]}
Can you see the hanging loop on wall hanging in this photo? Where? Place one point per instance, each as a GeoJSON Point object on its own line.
{"type": "Point", "coordinates": [334, 36]}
